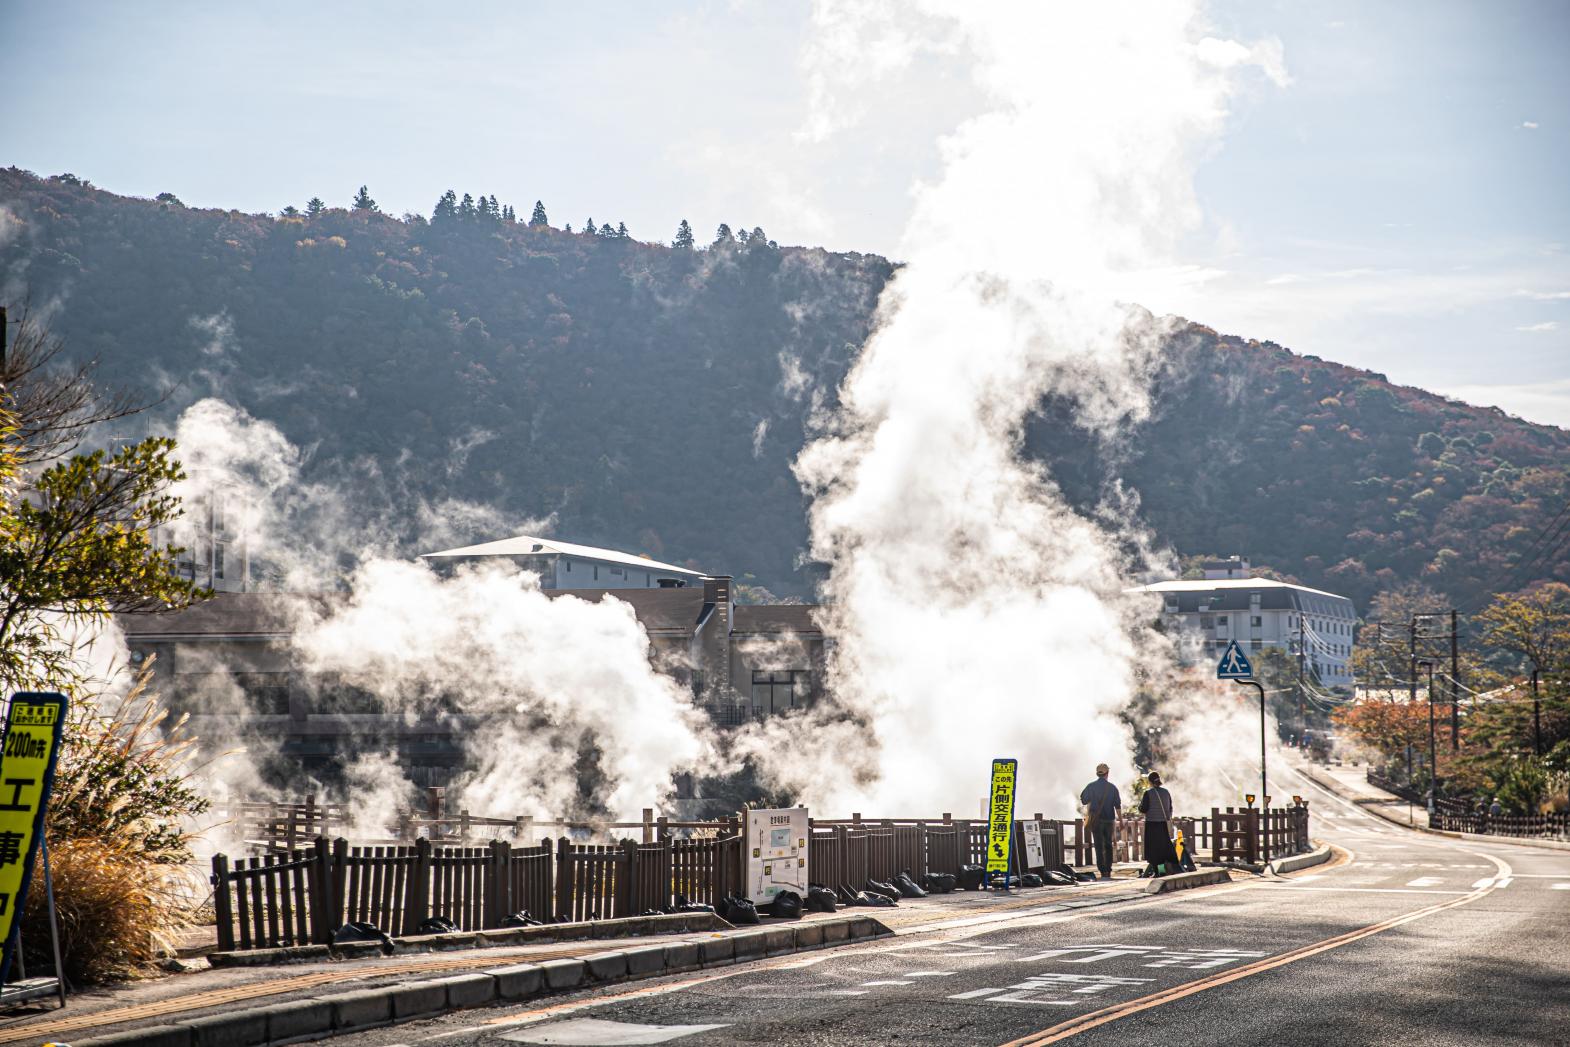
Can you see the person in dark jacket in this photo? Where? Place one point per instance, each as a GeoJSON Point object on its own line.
{"type": "Point", "coordinates": [1156, 805]}
{"type": "Point", "coordinates": [1102, 804]}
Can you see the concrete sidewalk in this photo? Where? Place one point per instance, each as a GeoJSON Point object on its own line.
{"type": "Point", "coordinates": [252, 1005]}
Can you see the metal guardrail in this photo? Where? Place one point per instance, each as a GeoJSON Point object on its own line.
{"type": "Point", "coordinates": [1540, 827]}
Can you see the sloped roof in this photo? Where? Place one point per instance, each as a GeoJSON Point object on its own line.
{"type": "Point", "coordinates": [529, 545]}
{"type": "Point", "coordinates": [663, 611]}
{"type": "Point", "coordinates": [1202, 585]}
{"type": "Point", "coordinates": [776, 618]}
{"type": "Point", "coordinates": [231, 614]}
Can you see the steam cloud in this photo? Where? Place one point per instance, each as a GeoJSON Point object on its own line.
{"type": "Point", "coordinates": [974, 613]}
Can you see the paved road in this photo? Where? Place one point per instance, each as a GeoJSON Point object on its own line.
{"type": "Point", "coordinates": [1412, 939]}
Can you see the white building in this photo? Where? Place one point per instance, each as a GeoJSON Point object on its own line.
{"type": "Point", "coordinates": [212, 533]}
{"type": "Point", "coordinates": [565, 565]}
{"type": "Point", "coordinates": [1259, 613]}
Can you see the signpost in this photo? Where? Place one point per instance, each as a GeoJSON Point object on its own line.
{"type": "Point", "coordinates": [33, 730]}
{"type": "Point", "coordinates": [1000, 820]}
{"type": "Point", "coordinates": [1234, 666]}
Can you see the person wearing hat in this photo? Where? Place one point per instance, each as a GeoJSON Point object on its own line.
{"type": "Point", "coordinates": [1157, 807]}
{"type": "Point", "coordinates": [1102, 804]}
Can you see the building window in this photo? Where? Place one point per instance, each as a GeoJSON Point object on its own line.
{"type": "Point", "coordinates": [1221, 619]}
{"type": "Point", "coordinates": [1256, 621]}
{"type": "Point", "coordinates": [596, 572]}
{"type": "Point", "coordinates": [1207, 621]}
{"type": "Point", "coordinates": [616, 572]}
{"type": "Point", "coordinates": [218, 560]}
{"type": "Point", "coordinates": [779, 691]}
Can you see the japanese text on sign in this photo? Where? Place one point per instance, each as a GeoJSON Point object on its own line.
{"type": "Point", "coordinates": [32, 736]}
{"type": "Point", "coordinates": [1000, 822]}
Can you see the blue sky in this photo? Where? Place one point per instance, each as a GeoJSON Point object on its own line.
{"type": "Point", "coordinates": [1399, 205]}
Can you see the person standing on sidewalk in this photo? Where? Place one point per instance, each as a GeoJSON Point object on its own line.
{"type": "Point", "coordinates": [1157, 807]}
{"type": "Point", "coordinates": [1102, 804]}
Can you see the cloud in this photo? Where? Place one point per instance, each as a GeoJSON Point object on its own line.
{"type": "Point", "coordinates": [1529, 125]}
{"type": "Point", "coordinates": [1547, 403]}
{"type": "Point", "coordinates": [1543, 296]}
{"type": "Point", "coordinates": [1542, 328]}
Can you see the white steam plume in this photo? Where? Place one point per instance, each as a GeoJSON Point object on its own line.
{"type": "Point", "coordinates": [974, 613]}
{"type": "Point", "coordinates": [543, 693]}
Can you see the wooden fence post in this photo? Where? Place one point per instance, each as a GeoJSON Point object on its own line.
{"type": "Point", "coordinates": [326, 906]}
{"type": "Point", "coordinates": [417, 900]}
{"type": "Point", "coordinates": [221, 903]}
{"type": "Point", "coordinates": [626, 884]}
{"type": "Point", "coordinates": [563, 878]}
{"type": "Point", "coordinates": [648, 825]}
{"type": "Point", "coordinates": [498, 900]}
{"type": "Point", "coordinates": [1251, 820]}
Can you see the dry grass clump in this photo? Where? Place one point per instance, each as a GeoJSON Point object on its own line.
{"type": "Point", "coordinates": [117, 912]}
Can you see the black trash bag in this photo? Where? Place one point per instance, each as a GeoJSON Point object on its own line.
{"type": "Point", "coordinates": [970, 877]}
{"type": "Point", "coordinates": [907, 886]}
{"type": "Point", "coordinates": [652, 912]}
{"type": "Point", "coordinates": [357, 933]}
{"type": "Point", "coordinates": [786, 906]}
{"type": "Point", "coordinates": [820, 898]}
{"type": "Point", "coordinates": [521, 918]}
{"type": "Point", "coordinates": [872, 900]}
{"type": "Point", "coordinates": [888, 890]}
{"type": "Point", "coordinates": [1060, 878]}
{"type": "Point", "coordinates": [1031, 880]}
{"type": "Point", "coordinates": [739, 910]}
{"type": "Point", "coordinates": [1080, 877]}
{"type": "Point", "coordinates": [683, 905]}
{"type": "Point", "coordinates": [436, 925]}
{"type": "Point", "coordinates": [847, 895]}
{"type": "Point", "coordinates": [937, 883]}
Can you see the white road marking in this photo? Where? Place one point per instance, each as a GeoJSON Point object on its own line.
{"type": "Point", "coordinates": [1503, 883]}
{"type": "Point", "coordinates": [886, 981]}
{"type": "Point", "coordinates": [930, 974]}
{"type": "Point", "coordinates": [1427, 881]}
{"type": "Point", "coordinates": [1559, 887]}
{"type": "Point", "coordinates": [1356, 890]}
{"type": "Point", "coordinates": [583, 1031]}
{"type": "Point", "coordinates": [974, 994]}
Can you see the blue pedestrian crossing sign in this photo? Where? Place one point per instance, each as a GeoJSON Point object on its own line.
{"type": "Point", "coordinates": [1233, 665]}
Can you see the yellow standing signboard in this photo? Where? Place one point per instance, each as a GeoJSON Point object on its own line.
{"type": "Point", "coordinates": [27, 766]}
{"type": "Point", "coordinates": [1000, 823]}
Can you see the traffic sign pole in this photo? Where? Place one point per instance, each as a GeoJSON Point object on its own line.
{"type": "Point", "coordinates": [1234, 666]}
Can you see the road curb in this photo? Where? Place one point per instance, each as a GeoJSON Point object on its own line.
{"type": "Point", "coordinates": [630, 927]}
{"type": "Point", "coordinates": [1301, 861]}
{"type": "Point", "coordinates": [327, 1015]}
{"type": "Point", "coordinates": [1186, 881]}
{"type": "Point", "coordinates": [1385, 816]}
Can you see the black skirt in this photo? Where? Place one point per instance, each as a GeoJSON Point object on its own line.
{"type": "Point", "coordinates": [1158, 844]}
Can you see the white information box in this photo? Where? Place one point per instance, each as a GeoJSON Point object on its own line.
{"type": "Point", "coordinates": [776, 852]}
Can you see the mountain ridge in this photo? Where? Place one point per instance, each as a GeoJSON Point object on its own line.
{"type": "Point", "coordinates": [653, 397]}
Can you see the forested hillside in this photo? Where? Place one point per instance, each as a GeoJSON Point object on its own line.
{"type": "Point", "coordinates": [653, 397]}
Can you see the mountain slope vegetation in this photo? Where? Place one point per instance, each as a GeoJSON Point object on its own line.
{"type": "Point", "coordinates": [653, 397]}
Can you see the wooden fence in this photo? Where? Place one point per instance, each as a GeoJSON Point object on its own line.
{"type": "Point", "coordinates": [1540, 826]}
{"type": "Point", "coordinates": [302, 896]}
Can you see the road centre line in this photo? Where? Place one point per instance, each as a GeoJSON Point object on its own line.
{"type": "Point", "coordinates": [1094, 1019]}
{"type": "Point", "coordinates": [1370, 890]}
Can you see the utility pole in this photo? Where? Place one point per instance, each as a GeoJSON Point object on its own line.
{"type": "Point", "coordinates": [4, 331]}
{"type": "Point", "coordinates": [1455, 686]}
{"type": "Point", "coordinates": [1537, 719]}
{"type": "Point", "coordinates": [1302, 722]}
{"type": "Point", "coordinates": [1433, 757]}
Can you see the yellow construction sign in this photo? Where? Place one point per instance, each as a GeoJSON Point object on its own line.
{"type": "Point", "coordinates": [27, 766]}
{"type": "Point", "coordinates": [1000, 827]}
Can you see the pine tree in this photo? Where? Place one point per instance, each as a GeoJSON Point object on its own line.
{"type": "Point", "coordinates": [683, 236]}
{"type": "Point", "coordinates": [494, 211]}
{"type": "Point", "coordinates": [538, 219]}
{"type": "Point", "coordinates": [757, 239]}
{"type": "Point", "coordinates": [509, 215]}
{"type": "Point", "coordinates": [314, 207]}
{"type": "Point", "coordinates": [741, 236]}
{"type": "Point", "coordinates": [567, 228]}
{"type": "Point", "coordinates": [446, 208]}
{"type": "Point", "coordinates": [621, 230]}
{"type": "Point", "coordinates": [722, 235]}
{"type": "Point", "coordinates": [290, 212]}
{"type": "Point", "coordinates": [466, 209]}
{"type": "Point", "coordinates": [363, 201]}
{"type": "Point", "coordinates": [588, 227]}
